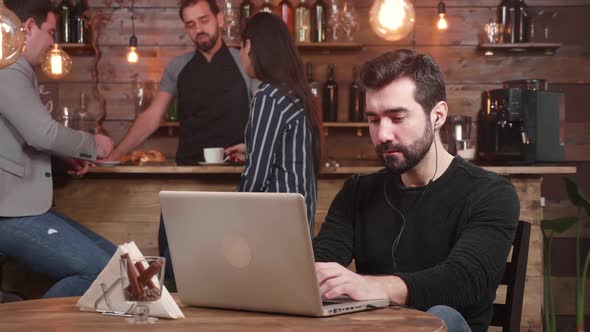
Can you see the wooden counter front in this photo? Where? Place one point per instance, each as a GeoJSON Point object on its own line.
{"type": "Point", "coordinates": [121, 203]}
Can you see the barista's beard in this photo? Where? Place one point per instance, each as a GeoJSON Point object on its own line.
{"type": "Point", "coordinates": [412, 154]}
{"type": "Point", "coordinates": [209, 43]}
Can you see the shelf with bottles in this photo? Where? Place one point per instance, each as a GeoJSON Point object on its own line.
{"type": "Point", "coordinates": [320, 25]}
{"type": "Point", "coordinates": [516, 30]}
{"type": "Point", "coordinates": [310, 46]}
{"type": "Point", "coordinates": [77, 48]}
{"type": "Point", "coordinates": [72, 30]}
{"type": "Point", "coordinates": [544, 48]}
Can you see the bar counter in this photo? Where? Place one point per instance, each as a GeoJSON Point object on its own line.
{"type": "Point", "coordinates": [171, 168]}
{"type": "Point", "coordinates": [121, 203]}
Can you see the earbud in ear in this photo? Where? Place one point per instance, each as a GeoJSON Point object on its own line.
{"type": "Point", "coordinates": [436, 122]}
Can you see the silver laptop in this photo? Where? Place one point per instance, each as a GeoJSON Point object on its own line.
{"type": "Point", "coordinates": [247, 251]}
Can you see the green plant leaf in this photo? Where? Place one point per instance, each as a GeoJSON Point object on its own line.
{"type": "Point", "coordinates": [580, 304]}
{"type": "Point", "coordinates": [559, 225]}
{"type": "Point", "coordinates": [575, 195]}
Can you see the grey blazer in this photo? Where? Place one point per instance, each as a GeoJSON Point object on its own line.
{"type": "Point", "coordinates": [28, 138]}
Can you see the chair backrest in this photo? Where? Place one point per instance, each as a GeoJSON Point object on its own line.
{"type": "Point", "coordinates": [2, 260]}
{"type": "Point", "coordinates": [508, 315]}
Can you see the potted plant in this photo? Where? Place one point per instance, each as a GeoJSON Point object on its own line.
{"type": "Point", "coordinates": [551, 227]}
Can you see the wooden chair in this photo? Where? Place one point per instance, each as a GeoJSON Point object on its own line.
{"type": "Point", "coordinates": [508, 315]}
{"type": "Point", "coordinates": [5, 296]}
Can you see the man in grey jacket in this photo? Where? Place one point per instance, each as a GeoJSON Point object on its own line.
{"type": "Point", "coordinates": [30, 233]}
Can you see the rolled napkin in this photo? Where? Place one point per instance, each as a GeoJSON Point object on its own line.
{"type": "Point", "coordinates": [93, 299]}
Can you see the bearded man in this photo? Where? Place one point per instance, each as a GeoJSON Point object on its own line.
{"type": "Point", "coordinates": [430, 230]}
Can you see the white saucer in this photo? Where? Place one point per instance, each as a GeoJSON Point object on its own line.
{"type": "Point", "coordinates": [107, 162]}
{"type": "Point", "coordinates": [204, 163]}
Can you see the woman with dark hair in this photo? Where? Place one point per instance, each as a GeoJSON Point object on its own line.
{"type": "Point", "coordinates": [282, 137]}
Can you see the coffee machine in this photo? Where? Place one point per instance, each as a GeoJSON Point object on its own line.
{"type": "Point", "coordinates": [520, 126]}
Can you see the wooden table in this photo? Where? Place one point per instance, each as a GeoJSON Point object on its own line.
{"type": "Point", "coordinates": [62, 315]}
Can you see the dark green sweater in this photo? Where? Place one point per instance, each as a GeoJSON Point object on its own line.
{"type": "Point", "coordinates": [453, 248]}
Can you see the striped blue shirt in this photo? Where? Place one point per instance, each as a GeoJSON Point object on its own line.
{"type": "Point", "coordinates": [279, 148]}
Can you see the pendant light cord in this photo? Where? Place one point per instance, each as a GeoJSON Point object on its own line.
{"type": "Point", "coordinates": [132, 18]}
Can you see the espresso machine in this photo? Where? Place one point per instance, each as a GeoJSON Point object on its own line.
{"type": "Point", "coordinates": [520, 126]}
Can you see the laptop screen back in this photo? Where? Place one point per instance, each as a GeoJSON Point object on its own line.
{"type": "Point", "coordinates": [248, 251]}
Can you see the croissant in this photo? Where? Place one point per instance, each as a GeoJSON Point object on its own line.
{"type": "Point", "coordinates": [136, 156]}
{"type": "Point", "coordinates": [152, 155]}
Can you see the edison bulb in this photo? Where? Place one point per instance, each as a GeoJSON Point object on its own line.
{"type": "Point", "coordinates": [132, 56]}
{"type": "Point", "coordinates": [12, 37]}
{"type": "Point", "coordinates": [442, 22]}
{"type": "Point", "coordinates": [57, 63]}
{"type": "Point", "coordinates": [392, 19]}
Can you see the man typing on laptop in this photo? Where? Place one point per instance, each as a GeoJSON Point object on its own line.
{"type": "Point", "coordinates": [430, 230]}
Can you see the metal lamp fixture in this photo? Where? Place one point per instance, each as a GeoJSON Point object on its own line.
{"type": "Point", "coordinates": [12, 37]}
{"type": "Point", "coordinates": [392, 19]}
{"type": "Point", "coordinates": [442, 22]}
{"type": "Point", "coordinates": [57, 63]}
{"type": "Point", "coordinates": [132, 56]}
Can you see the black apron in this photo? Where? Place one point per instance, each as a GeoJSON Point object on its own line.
{"type": "Point", "coordinates": [212, 106]}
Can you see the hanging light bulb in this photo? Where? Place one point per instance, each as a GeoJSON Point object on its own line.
{"type": "Point", "coordinates": [12, 38]}
{"type": "Point", "coordinates": [57, 63]}
{"type": "Point", "coordinates": [132, 56]}
{"type": "Point", "coordinates": [442, 22]}
{"type": "Point", "coordinates": [392, 19]}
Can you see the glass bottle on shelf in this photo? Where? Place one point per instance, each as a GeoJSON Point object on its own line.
{"type": "Point", "coordinates": [522, 22]}
{"type": "Point", "coordinates": [79, 29]}
{"type": "Point", "coordinates": [334, 21]}
{"type": "Point", "coordinates": [503, 17]}
{"type": "Point", "coordinates": [287, 14]}
{"type": "Point", "coordinates": [65, 22]}
{"type": "Point", "coordinates": [319, 21]}
{"type": "Point", "coordinates": [246, 10]}
{"type": "Point", "coordinates": [356, 107]}
{"type": "Point", "coordinates": [330, 97]}
{"type": "Point", "coordinates": [349, 20]}
{"type": "Point", "coordinates": [313, 85]}
{"type": "Point", "coordinates": [231, 24]}
{"type": "Point", "coordinates": [302, 23]}
{"type": "Point", "coordinates": [507, 17]}
{"type": "Point", "coordinates": [266, 7]}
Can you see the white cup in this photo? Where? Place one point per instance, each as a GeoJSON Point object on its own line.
{"type": "Point", "coordinates": [214, 155]}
